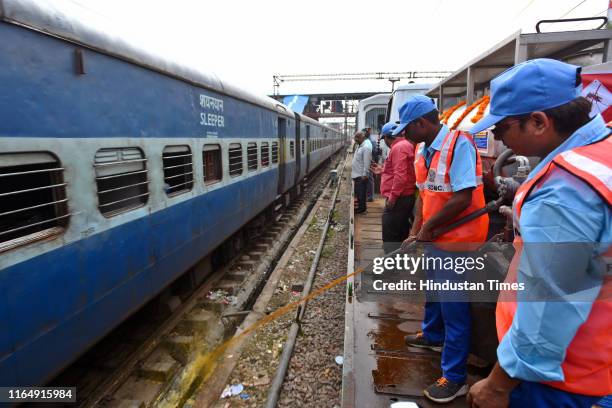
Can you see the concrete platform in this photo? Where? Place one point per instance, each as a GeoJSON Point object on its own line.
{"type": "Point", "coordinates": [378, 368]}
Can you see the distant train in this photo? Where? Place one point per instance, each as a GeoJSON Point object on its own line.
{"type": "Point", "coordinates": [375, 111]}
{"type": "Point", "coordinates": [119, 170]}
{"type": "Point", "coordinates": [371, 112]}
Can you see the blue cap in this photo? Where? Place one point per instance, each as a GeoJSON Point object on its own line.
{"type": "Point", "coordinates": [414, 107]}
{"type": "Point", "coordinates": [387, 129]}
{"type": "Point", "coordinates": [530, 86]}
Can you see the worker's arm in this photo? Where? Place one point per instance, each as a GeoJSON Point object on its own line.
{"type": "Point", "coordinates": [416, 224]}
{"type": "Point", "coordinates": [563, 225]}
{"type": "Point", "coordinates": [367, 158]}
{"type": "Point", "coordinates": [462, 175]}
{"type": "Point", "coordinates": [562, 235]}
{"type": "Point", "coordinates": [418, 217]}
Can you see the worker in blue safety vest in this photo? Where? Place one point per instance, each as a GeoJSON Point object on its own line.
{"type": "Point", "coordinates": [556, 334]}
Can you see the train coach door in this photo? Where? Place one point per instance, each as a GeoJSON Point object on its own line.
{"type": "Point", "coordinates": [307, 149]}
{"type": "Point", "coordinates": [298, 150]}
{"type": "Point", "coordinates": [282, 157]}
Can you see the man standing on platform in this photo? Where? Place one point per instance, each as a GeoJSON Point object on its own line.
{"type": "Point", "coordinates": [449, 177]}
{"type": "Point", "coordinates": [360, 169]}
{"type": "Point", "coordinates": [397, 185]}
{"type": "Point", "coordinates": [375, 157]}
{"type": "Point", "coordinates": [555, 336]}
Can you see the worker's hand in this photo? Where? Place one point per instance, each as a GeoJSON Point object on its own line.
{"type": "Point", "coordinates": [484, 394]}
{"type": "Point", "coordinates": [507, 187]}
{"type": "Point", "coordinates": [390, 203]}
{"type": "Point", "coordinates": [364, 177]}
{"type": "Point", "coordinates": [376, 168]}
{"type": "Point", "coordinates": [425, 234]}
{"type": "Point", "coordinates": [408, 241]}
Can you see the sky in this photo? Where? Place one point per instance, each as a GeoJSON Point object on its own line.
{"type": "Point", "coordinates": [247, 42]}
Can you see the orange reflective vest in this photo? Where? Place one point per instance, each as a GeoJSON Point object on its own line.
{"type": "Point", "coordinates": [587, 367]}
{"type": "Point", "coordinates": [435, 190]}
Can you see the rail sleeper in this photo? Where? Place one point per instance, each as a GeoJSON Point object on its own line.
{"type": "Point", "coordinates": [197, 322]}
{"type": "Point", "coordinates": [180, 347]}
{"type": "Point", "coordinates": [159, 366]}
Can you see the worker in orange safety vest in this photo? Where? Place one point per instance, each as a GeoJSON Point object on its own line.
{"type": "Point", "coordinates": [449, 178]}
{"type": "Point", "coordinates": [556, 333]}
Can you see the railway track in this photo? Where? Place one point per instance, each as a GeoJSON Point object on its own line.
{"type": "Point", "coordinates": [253, 354]}
{"type": "Point", "coordinates": [143, 362]}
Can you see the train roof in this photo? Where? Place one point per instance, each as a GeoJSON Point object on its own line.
{"type": "Point", "coordinates": [75, 23]}
{"type": "Point", "coordinates": [414, 87]}
{"type": "Point", "coordinates": [378, 99]}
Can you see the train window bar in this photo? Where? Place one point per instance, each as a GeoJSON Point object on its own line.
{"type": "Point", "coordinates": [302, 147]}
{"type": "Point", "coordinates": [120, 175]}
{"type": "Point", "coordinates": [274, 152]}
{"type": "Point", "coordinates": [121, 179]}
{"type": "Point", "coordinates": [211, 157]}
{"type": "Point", "coordinates": [235, 159]}
{"type": "Point", "coordinates": [265, 154]}
{"type": "Point", "coordinates": [123, 200]}
{"type": "Point", "coordinates": [252, 156]}
{"type": "Point", "coordinates": [178, 169]}
{"type": "Point", "coordinates": [122, 187]}
{"type": "Point", "coordinates": [33, 201]}
{"type": "Point", "coordinates": [292, 149]}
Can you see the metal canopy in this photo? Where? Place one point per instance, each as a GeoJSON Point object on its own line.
{"type": "Point", "coordinates": [476, 75]}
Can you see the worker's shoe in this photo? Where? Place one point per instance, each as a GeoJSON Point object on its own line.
{"type": "Point", "coordinates": [444, 390]}
{"type": "Point", "coordinates": [419, 340]}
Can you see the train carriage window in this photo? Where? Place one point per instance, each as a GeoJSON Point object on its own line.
{"type": "Point", "coordinates": [235, 159]}
{"type": "Point", "coordinates": [274, 152]}
{"type": "Point", "coordinates": [121, 178]}
{"type": "Point", "coordinates": [303, 144]}
{"type": "Point", "coordinates": [252, 156]}
{"type": "Point", "coordinates": [178, 169]}
{"type": "Point", "coordinates": [265, 154]}
{"type": "Point", "coordinates": [211, 157]}
{"type": "Point", "coordinates": [33, 203]}
{"type": "Point", "coordinates": [292, 149]}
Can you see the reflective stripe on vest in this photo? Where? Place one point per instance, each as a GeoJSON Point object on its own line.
{"type": "Point", "coordinates": [587, 365]}
{"type": "Point", "coordinates": [435, 188]}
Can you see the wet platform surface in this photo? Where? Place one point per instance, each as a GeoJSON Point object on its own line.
{"type": "Point", "coordinates": [379, 368]}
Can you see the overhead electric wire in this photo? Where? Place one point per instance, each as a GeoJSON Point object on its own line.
{"type": "Point", "coordinates": [573, 8]}
{"type": "Point", "coordinates": [529, 4]}
{"type": "Point", "coordinates": [582, 23]}
{"type": "Point", "coordinates": [361, 73]}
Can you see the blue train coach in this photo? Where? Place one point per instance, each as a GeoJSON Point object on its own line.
{"type": "Point", "coordinates": [119, 170]}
